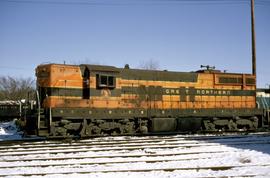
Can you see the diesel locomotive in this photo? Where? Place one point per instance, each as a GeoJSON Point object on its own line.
{"type": "Point", "coordinates": [93, 100]}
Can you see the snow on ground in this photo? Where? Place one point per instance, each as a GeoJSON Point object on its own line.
{"type": "Point", "coordinates": [239, 162]}
{"type": "Point", "coordinates": [9, 131]}
{"type": "Point", "coordinates": [138, 157]}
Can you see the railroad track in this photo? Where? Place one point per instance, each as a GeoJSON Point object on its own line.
{"type": "Point", "coordinates": [148, 156]}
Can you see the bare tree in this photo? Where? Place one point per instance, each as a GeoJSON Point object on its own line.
{"type": "Point", "coordinates": [149, 65]}
{"type": "Point", "coordinates": [16, 88]}
{"type": "Point", "coordinates": [85, 61]}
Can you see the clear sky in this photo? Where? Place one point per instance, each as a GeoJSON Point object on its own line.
{"type": "Point", "coordinates": [178, 34]}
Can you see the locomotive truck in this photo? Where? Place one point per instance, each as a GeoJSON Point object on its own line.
{"type": "Point", "coordinates": [92, 100]}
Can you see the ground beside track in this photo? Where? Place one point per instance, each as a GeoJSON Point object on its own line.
{"type": "Point", "coordinates": [227, 155]}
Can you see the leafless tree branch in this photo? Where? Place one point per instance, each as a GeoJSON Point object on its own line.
{"type": "Point", "coordinates": [16, 88]}
{"type": "Point", "coordinates": [149, 65]}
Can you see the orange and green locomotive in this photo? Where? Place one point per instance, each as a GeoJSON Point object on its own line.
{"type": "Point", "coordinates": [89, 100]}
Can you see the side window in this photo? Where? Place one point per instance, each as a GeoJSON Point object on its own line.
{"type": "Point", "coordinates": [111, 81]}
{"type": "Point", "coordinates": [105, 81]}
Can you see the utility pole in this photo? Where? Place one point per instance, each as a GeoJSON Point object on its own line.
{"type": "Point", "coordinates": [253, 39]}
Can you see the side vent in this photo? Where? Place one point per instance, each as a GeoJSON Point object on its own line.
{"type": "Point", "coordinates": [230, 80]}
{"type": "Point", "coordinates": [250, 81]}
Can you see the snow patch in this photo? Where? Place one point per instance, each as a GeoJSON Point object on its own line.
{"type": "Point", "coordinates": [9, 131]}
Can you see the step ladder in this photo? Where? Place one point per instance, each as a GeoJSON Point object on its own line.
{"type": "Point", "coordinates": [43, 125]}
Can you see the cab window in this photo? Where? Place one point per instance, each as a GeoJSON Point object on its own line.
{"type": "Point", "coordinates": [105, 81]}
